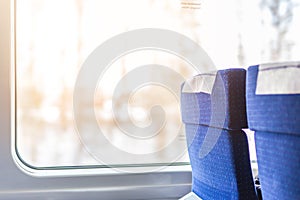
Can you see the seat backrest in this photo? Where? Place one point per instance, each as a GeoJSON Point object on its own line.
{"type": "Point", "coordinates": [214, 112]}
{"type": "Point", "coordinates": [273, 107]}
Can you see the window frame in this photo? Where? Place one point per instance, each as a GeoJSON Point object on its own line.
{"type": "Point", "coordinates": [20, 181]}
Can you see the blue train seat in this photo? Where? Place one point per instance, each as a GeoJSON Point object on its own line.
{"type": "Point", "coordinates": [273, 109]}
{"type": "Point", "coordinates": [213, 110]}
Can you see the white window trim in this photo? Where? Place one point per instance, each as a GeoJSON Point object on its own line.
{"type": "Point", "coordinates": [19, 181]}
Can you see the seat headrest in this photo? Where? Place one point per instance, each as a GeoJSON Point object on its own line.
{"type": "Point", "coordinates": [215, 99]}
{"type": "Point", "coordinates": [273, 97]}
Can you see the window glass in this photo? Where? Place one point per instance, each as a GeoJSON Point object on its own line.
{"type": "Point", "coordinates": [54, 39]}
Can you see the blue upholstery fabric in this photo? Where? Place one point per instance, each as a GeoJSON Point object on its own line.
{"type": "Point", "coordinates": [225, 172]}
{"type": "Point", "coordinates": [228, 92]}
{"type": "Point", "coordinates": [278, 164]}
{"type": "Point", "coordinates": [271, 113]}
{"type": "Point", "coordinates": [276, 122]}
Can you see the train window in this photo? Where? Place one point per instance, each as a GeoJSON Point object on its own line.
{"type": "Point", "coordinates": [129, 121]}
{"type": "Point", "coordinates": [139, 127]}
